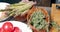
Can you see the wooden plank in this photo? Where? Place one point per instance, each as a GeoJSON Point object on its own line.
{"type": "Point", "coordinates": [55, 14]}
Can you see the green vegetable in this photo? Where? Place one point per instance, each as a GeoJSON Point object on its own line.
{"type": "Point", "coordinates": [20, 9]}
{"type": "Point", "coordinates": [38, 21]}
{"type": "Point", "coordinates": [54, 24]}
{"type": "Point", "coordinates": [17, 4]}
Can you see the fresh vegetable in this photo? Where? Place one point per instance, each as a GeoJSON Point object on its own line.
{"type": "Point", "coordinates": [20, 9]}
{"type": "Point", "coordinates": [16, 29]}
{"type": "Point", "coordinates": [15, 10]}
{"type": "Point", "coordinates": [17, 4]}
{"type": "Point", "coordinates": [55, 25]}
{"type": "Point", "coordinates": [8, 27]}
{"type": "Point", "coordinates": [37, 19]}
{"type": "Point", "coordinates": [1, 30]}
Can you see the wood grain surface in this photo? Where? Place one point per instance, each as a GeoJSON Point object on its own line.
{"type": "Point", "coordinates": [55, 14]}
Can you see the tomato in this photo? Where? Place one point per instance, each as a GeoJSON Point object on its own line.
{"type": "Point", "coordinates": [7, 26]}
{"type": "Point", "coordinates": [1, 30]}
{"type": "Point", "coordinates": [6, 31]}
{"type": "Point", "coordinates": [16, 29]}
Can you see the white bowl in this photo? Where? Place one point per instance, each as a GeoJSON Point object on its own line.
{"type": "Point", "coordinates": [3, 5]}
{"type": "Point", "coordinates": [24, 27]}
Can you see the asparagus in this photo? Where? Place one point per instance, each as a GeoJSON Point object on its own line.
{"type": "Point", "coordinates": [17, 4]}
{"type": "Point", "coordinates": [21, 9]}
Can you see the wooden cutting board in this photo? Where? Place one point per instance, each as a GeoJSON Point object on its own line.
{"type": "Point", "coordinates": [55, 16]}
{"type": "Point", "coordinates": [55, 13]}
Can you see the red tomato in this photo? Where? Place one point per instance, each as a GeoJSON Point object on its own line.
{"type": "Point", "coordinates": [7, 26]}
{"type": "Point", "coordinates": [6, 31]}
{"type": "Point", "coordinates": [1, 30]}
{"type": "Point", "coordinates": [16, 29]}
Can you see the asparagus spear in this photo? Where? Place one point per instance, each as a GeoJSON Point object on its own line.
{"type": "Point", "coordinates": [20, 9]}
{"type": "Point", "coordinates": [17, 4]}
{"type": "Point", "coordinates": [23, 8]}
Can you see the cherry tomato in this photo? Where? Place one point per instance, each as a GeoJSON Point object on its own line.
{"type": "Point", "coordinates": [1, 30]}
{"type": "Point", "coordinates": [16, 29]}
{"type": "Point", "coordinates": [7, 26]}
{"type": "Point", "coordinates": [6, 31]}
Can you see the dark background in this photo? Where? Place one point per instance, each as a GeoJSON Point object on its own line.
{"type": "Point", "coordinates": [46, 3]}
{"type": "Point", "coordinates": [10, 1]}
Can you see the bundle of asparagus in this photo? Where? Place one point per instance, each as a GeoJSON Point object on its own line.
{"type": "Point", "coordinates": [20, 8]}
